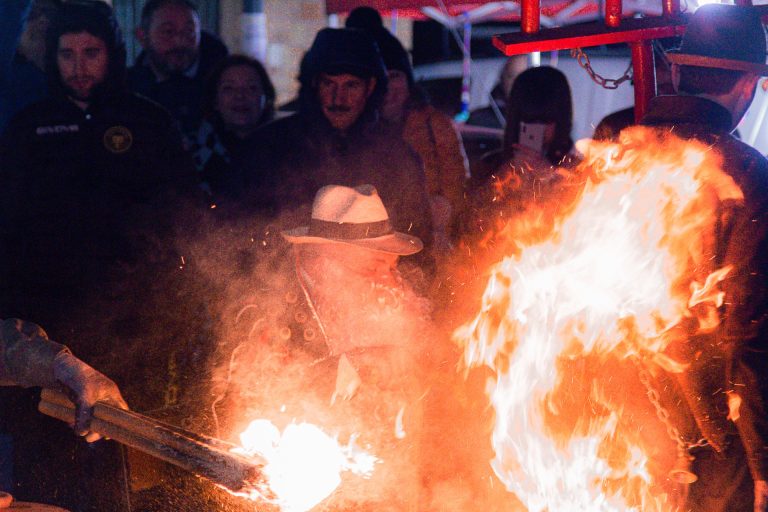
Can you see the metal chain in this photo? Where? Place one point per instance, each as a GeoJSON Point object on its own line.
{"type": "Point", "coordinates": [606, 83]}
{"type": "Point", "coordinates": [661, 412]}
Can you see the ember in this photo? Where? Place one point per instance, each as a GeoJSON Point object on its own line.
{"type": "Point", "coordinates": [628, 263]}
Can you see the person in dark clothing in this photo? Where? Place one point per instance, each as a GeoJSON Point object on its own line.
{"type": "Point", "coordinates": [176, 60]}
{"type": "Point", "coordinates": [239, 97]}
{"type": "Point", "coordinates": [611, 125]}
{"type": "Point", "coordinates": [22, 54]}
{"type": "Point", "coordinates": [716, 72]}
{"type": "Point", "coordinates": [85, 167]}
{"type": "Point", "coordinates": [541, 97]}
{"type": "Point", "coordinates": [337, 137]}
{"type": "Point", "coordinates": [92, 179]}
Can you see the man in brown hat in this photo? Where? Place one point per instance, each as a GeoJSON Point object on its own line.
{"type": "Point", "coordinates": [716, 71]}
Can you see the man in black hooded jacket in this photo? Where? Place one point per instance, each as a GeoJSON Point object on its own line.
{"type": "Point", "coordinates": [92, 180]}
{"type": "Point", "coordinates": [90, 175]}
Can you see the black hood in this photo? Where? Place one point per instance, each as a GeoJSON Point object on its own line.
{"type": "Point", "coordinates": [394, 55]}
{"type": "Point", "coordinates": [337, 51]}
{"type": "Point", "coordinates": [96, 18]}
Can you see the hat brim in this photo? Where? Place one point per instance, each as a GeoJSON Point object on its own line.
{"type": "Point", "coordinates": [395, 243]}
{"type": "Point", "coordinates": [687, 59]}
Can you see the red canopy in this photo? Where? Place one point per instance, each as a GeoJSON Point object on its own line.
{"type": "Point", "coordinates": [405, 8]}
{"type": "Point", "coordinates": [553, 12]}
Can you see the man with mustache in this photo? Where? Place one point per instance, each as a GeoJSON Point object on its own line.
{"type": "Point", "coordinates": [177, 58]}
{"type": "Point", "coordinates": [91, 179]}
{"type": "Point", "coordinates": [337, 136]}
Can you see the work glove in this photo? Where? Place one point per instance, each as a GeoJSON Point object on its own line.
{"type": "Point", "coordinates": [86, 386]}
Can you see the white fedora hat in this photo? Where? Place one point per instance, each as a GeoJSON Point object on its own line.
{"type": "Point", "coordinates": [354, 216]}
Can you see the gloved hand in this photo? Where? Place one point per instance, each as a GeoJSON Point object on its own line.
{"type": "Point", "coordinates": [761, 496]}
{"type": "Point", "coordinates": [87, 386]}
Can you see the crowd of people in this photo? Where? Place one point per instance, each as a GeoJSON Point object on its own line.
{"type": "Point", "coordinates": [218, 258]}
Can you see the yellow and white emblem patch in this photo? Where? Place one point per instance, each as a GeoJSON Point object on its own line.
{"type": "Point", "coordinates": [118, 139]}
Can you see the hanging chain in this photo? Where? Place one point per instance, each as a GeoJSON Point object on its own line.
{"type": "Point", "coordinates": [661, 412]}
{"type": "Point", "coordinates": [606, 83]}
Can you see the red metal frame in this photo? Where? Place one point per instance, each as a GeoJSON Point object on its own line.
{"type": "Point", "coordinates": [639, 33]}
{"type": "Point", "coordinates": [588, 34]}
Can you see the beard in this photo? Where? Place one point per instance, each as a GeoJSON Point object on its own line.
{"type": "Point", "coordinates": [81, 88]}
{"type": "Point", "coordinates": [173, 62]}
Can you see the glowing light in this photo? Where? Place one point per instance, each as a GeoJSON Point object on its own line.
{"type": "Point", "coordinates": [629, 262]}
{"type": "Point", "coordinates": [304, 464]}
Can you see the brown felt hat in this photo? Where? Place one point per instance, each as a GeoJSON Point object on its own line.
{"type": "Point", "coordinates": [725, 37]}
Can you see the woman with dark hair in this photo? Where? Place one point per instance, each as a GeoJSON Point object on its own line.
{"type": "Point", "coordinates": [238, 98]}
{"type": "Point", "coordinates": [537, 146]}
{"type": "Point", "coordinates": [537, 138]}
{"type": "Point", "coordinates": [539, 96]}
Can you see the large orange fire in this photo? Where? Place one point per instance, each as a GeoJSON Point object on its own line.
{"type": "Point", "coordinates": [606, 291]}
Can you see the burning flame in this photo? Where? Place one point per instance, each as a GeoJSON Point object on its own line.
{"type": "Point", "coordinates": [631, 260]}
{"type": "Point", "coordinates": [303, 463]}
